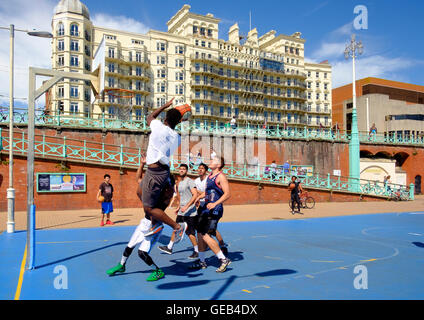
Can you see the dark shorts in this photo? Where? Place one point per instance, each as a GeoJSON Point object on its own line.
{"type": "Point", "coordinates": [107, 207]}
{"type": "Point", "coordinates": [191, 223]}
{"type": "Point", "coordinates": [154, 182]}
{"type": "Point", "coordinates": [208, 221]}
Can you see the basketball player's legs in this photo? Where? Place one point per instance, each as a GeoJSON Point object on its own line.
{"type": "Point", "coordinates": [153, 185]}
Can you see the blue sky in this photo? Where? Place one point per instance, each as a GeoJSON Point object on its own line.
{"type": "Point", "coordinates": [393, 42]}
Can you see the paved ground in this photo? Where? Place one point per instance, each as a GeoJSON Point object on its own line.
{"type": "Point", "coordinates": [130, 217]}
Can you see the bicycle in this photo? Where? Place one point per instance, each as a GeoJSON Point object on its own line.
{"type": "Point", "coordinates": [306, 201]}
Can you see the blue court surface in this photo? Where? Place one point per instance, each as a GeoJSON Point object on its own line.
{"type": "Point", "coordinates": [378, 256]}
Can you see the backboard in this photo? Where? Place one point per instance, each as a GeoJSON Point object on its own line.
{"type": "Point", "coordinates": [98, 69]}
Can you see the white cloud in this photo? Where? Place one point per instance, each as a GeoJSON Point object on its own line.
{"type": "Point", "coordinates": [118, 23]}
{"type": "Point", "coordinates": [29, 51]}
{"type": "Point", "coordinates": [371, 66]}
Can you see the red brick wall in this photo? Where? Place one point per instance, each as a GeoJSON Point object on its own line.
{"type": "Point", "coordinates": [125, 188]}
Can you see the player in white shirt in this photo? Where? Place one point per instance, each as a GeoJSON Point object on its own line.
{"type": "Point", "coordinates": [163, 142]}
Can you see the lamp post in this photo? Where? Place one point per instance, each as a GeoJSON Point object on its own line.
{"type": "Point", "coordinates": [11, 190]}
{"type": "Point", "coordinates": [352, 50]}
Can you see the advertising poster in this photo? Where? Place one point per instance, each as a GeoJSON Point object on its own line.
{"type": "Point", "coordinates": [61, 182]}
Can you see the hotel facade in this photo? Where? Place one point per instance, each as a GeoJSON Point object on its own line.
{"type": "Point", "coordinates": [256, 79]}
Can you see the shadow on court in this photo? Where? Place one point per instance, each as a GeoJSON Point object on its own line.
{"type": "Point", "coordinates": [418, 244]}
{"type": "Point", "coordinates": [80, 255]}
{"type": "Point", "coordinates": [228, 281]}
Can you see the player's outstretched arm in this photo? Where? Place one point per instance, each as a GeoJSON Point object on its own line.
{"type": "Point", "coordinates": [158, 111]}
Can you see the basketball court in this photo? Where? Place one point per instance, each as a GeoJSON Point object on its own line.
{"type": "Point", "coordinates": [292, 259]}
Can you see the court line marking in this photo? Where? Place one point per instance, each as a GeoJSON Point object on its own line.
{"type": "Point", "coordinates": [21, 276]}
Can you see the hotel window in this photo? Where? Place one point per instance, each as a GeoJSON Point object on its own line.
{"type": "Point", "coordinates": [195, 29]}
{"type": "Point", "coordinates": [289, 104]}
{"type": "Point", "coordinates": [309, 95]}
{"type": "Point", "coordinates": [73, 108]}
{"type": "Point", "coordinates": [74, 92]}
{"type": "Point", "coordinates": [221, 97]}
{"type": "Point", "coordinates": [317, 74]}
{"type": "Point", "coordinates": [272, 116]}
{"type": "Point", "coordinates": [309, 107]}
{"type": "Point", "coordinates": [266, 102]}
{"type": "Point", "coordinates": [228, 72]}
{"type": "Point", "coordinates": [209, 32]}
{"type": "Point", "coordinates": [160, 87]}
{"type": "Point", "coordinates": [60, 92]}
{"type": "Point", "coordinates": [236, 86]}
{"type": "Point", "coordinates": [325, 86]}
{"type": "Point", "coordinates": [138, 99]}
{"type": "Point", "coordinates": [74, 45]}
{"type": "Point", "coordinates": [138, 85]}
{"type": "Point", "coordinates": [111, 67]}
{"type": "Point", "coordinates": [318, 120]}
{"type": "Point", "coordinates": [326, 121]}
{"type": "Point", "coordinates": [309, 73]}
{"type": "Point", "coordinates": [228, 84]}
{"type": "Point", "coordinates": [221, 111]}
{"type": "Point", "coordinates": [60, 45]}
{"type": "Point", "coordinates": [179, 89]}
{"type": "Point", "coordinates": [236, 99]}
{"type": "Point", "coordinates": [203, 44]}
{"type": "Point", "coordinates": [289, 116]}
{"type": "Point", "coordinates": [317, 97]}
{"type": "Point", "coordinates": [111, 112]}
{"type": "Point", "coordinates": [74, 61]}
{"type": "Point", "coordinates": [161, 73]}
{"type": "Point", "coordinates": [179, 76]}
{"type": "Point", "coordinates": [325, 96]}
{"type": "Point", "coordinates": [137, 114]}
{"type": "Point", "coordinates": [111, 82]}
{"type": "Point", "coordinates": [161, 60]}
{"type": "Point", "coordinates": [236, 74]}
{"type": "Point", "coordinates": [212, 113]}
{"type": "Point", "coordinates": [289, 93]}
{"type": "Point", "coordinates": [138, 71]}
{"type": "Point", "coordinates": [228, 112]}
{"type": "Point", "coordinates": [309, 119]}
{"type": "Point", "coordinates": [317, 85]}
{"type": "Point", "coordinates": [74, 30]}
{"type": "Point", "coordinates": [196, 43]}
{"type": "Point", "coordinates": [160, 46]}
{"type": "Point", "coordinates": [197, 108]}
{"type": "Point", "coordinates": [236, 112]}
{"type": "Point", "coordinates": [318, 108]}
{"type": "Point", "coordinates": [179, 49]}
{"type": "Point", "coordinates": [179, 63]}
{"type": "Point", "coordinates": [278, 117]}
{"type": "Point", "coordinates": [202, 31]}
{"type": "Point", "coordinates": [61, 29]}
{"type": "Point", "coordinates": [228, 98]}
{"type": "Point", "coordinates": [325, 75]}
{"type": "Point", "coordinates": [111, 53]}
{"type": "Point", "coordinates": [197, 94]}
{"type": "Point", "coordinates": [197, 79]}
{"type": "Point", "coordinates": [278, 104]}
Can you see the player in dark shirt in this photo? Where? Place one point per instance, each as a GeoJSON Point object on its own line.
{"type": "Point", "coordinates": [295, 188]}
{"type": "Point", "coordinates": [106, 191]}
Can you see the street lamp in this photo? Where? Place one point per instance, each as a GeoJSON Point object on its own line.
{"type": "Point", "coordinates": [352, 51]}
{"type": "Point", "coordinates": [11, 190]}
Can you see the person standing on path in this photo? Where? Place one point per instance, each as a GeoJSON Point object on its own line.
{"type": "Point", "coordinates": [106, 191]}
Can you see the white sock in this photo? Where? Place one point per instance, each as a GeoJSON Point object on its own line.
{"type": "Point", "coordinates": [123, 260]}
{"type": "Point", "coordinates": [170, 244]}
{"type": "Point", "coordinates": [220, 255]}
{"type": "Point", "coordinates": [196, 248]}
{"type": "Point", "coordinates": [202, 256]}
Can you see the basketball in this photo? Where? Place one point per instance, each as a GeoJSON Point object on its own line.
{"type": "Point", "coordinates": [291, 186]}
{"type": "Point", "coordinates": [101, 198]}
{"type": "Point", "coordinates": [185, 111]}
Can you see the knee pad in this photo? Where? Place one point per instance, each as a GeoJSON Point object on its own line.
{"type": "Point", "coordinates": [145, 257]}
{"type": "Point", "coordinates": [128, 251]}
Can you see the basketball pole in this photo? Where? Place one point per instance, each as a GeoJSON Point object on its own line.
{"type": "Point", "coordinates": [33, 95]}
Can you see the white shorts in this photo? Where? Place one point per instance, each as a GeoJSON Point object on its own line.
{"type": "Point", "coordinates": [138, 237]}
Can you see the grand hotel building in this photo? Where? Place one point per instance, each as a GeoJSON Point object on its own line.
{"type": "Point", "coordinates": [257, 79]}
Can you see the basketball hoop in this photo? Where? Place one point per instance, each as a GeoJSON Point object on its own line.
{"type": "Point", "coordinates": [118, 93]}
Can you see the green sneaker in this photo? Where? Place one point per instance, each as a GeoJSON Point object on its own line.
{"type": "Point", "coordinates": [156, 275]}
{"type": "Point", "coordinates": [119, 268]}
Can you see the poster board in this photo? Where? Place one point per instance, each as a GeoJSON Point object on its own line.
{"type": "Point", "coordinates": [302, 170]}
{"type": "Point", "coordinates": [61, 182]}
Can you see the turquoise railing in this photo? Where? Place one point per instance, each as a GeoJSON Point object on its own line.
{"type": "Point", "coordinates": [118, 155]}
{"type": "Point", "coordinates": [102, 121]}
